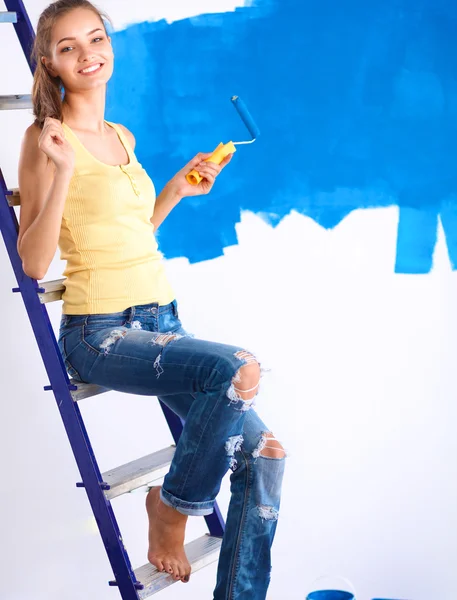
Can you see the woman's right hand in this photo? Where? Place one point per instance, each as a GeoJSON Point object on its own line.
{"type": "Point", "coordinates": [53, 143]}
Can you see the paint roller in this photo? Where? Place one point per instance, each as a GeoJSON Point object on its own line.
{"type": "Point", "coordinates": [224, 150]}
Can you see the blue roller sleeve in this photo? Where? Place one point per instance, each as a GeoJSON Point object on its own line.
{"type": "Point", "coordinates": [246, 117]}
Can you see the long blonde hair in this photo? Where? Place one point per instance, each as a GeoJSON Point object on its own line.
{"type": "Point", "coordinates": [47, 90]}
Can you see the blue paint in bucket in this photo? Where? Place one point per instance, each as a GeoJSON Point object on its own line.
{"type": "Point", "coordinates": [330, 595]}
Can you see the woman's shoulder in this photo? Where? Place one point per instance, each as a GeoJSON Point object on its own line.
{"type": "Point", "coordinates": [30, 154]}
{"type": "Point", "coordinates": [31, 135]}
{"type": "Point", "coordinates": [128, 134]}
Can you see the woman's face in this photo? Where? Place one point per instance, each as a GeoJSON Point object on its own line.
{"type": "Point", "coordinates": [88, 47]}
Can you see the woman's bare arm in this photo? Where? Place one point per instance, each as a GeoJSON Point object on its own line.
{"type": "Point", "coordinates": [43, 188]}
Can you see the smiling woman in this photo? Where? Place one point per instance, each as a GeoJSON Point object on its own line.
{"type": "Point", "coordinates": [83, 189]}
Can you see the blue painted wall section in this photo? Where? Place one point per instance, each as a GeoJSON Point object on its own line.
{"type": "Point", "coordinates": [356, 102]}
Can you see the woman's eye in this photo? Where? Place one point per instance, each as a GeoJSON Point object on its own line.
{"type": "Point", "coordinates": [70, 47]}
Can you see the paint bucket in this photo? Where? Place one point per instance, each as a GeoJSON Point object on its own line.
{"type": "Point", "coordinates": [332, 594]}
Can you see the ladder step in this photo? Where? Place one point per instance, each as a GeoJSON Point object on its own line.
{"type": "Point", "coordinates": [8, 17]}
{"type": "Point", "coordinates": [138, 473]}
{"type": "Point", "coordinates": [200, 553]}
{"type": "Point", "coordinates": [13, 197]}
{"type": "Point", "coordinates": [50, 291]}
{"type": "Point", "coordinates": [86, 390]}
{"type": "Point", "coordinates": [15, 102]}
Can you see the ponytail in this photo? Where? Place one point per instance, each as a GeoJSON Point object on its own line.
{"type": "Point", "coordinates": [46, 95]}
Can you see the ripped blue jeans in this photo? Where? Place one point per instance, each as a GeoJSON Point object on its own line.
{"type": "Point", "coordinates": [145, 350]}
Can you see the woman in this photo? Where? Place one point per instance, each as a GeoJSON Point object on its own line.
{"type": "Point", "coordinates": [83, 189]}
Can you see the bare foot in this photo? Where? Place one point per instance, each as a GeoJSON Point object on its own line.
{"type": "Point", "coordinates": [166, 537]}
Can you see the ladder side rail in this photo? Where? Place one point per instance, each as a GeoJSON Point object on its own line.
{"type": "Point", "coordinates": [69, 411]}
{"type": "Point", "coordinates": [24, 29]}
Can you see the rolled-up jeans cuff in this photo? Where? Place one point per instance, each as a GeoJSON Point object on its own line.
{"type": "Point", "coordinates": [192, 509]}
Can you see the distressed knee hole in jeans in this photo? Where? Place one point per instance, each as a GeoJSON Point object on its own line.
{"type": "Point", "coordinates": [245, 377]}
{"type": "Point", "coordinates": [269, 447]}
{"type": "Point", "coordinates": [163, 339]}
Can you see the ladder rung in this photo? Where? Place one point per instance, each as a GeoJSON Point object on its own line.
{"type": "Point", "coordinates": [53, 290]}
{"type": "Point", "coordinates": [15, 102]}
{"type": "Point", "coordinates": [8, 17]}
{"type": "Point", "coordinates": [86, 390]}
{"type": "Point", "coordinates": [200, 553]}
{"type": "Point", "coordinates": [13, 198]}
{"type": "Point", "coordinates": [138, 473]}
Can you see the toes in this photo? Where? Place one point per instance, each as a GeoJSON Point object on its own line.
{"type": "Point", "coordinates": [187, 570]}
{"type": "Point", "coordinates": [183, 576]}
{"type": "Point", "coordinates": [179, 571]}
{"type": "Point", "coordinates": [168, 567]}
{"type": "Point", "coordinates": [158, 564]}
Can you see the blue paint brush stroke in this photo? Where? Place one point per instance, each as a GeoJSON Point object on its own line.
{"type": "Point", "coordinates": [356, 102]}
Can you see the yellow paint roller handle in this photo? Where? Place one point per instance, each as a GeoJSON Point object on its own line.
{"type": "Point", "coordinates": [216, 157]}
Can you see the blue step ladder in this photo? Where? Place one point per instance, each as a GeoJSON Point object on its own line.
{"type": "Point", "coordinates": [101, 488]}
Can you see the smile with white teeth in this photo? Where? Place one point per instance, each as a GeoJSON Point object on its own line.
{"type": "Point", "coordinates": [92, 68]}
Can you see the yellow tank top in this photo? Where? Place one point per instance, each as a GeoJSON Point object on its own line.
{"type": "Point", "coordinates": [107, 238]}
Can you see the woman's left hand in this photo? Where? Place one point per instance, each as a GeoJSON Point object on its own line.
{"type": "Point", "coordinates": [208, 170]}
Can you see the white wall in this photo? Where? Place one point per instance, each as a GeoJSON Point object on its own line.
{"type": "Point", "coordinates": [361, 393]}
